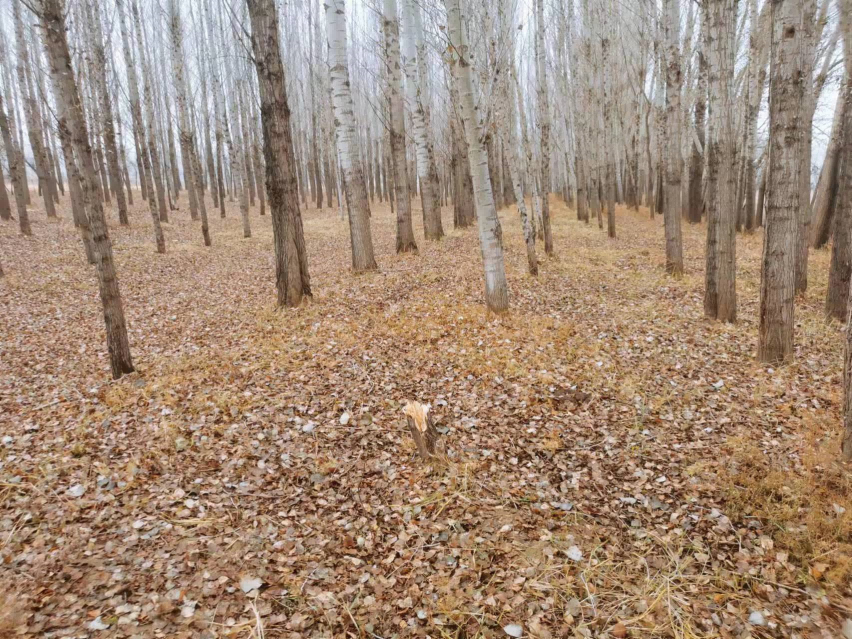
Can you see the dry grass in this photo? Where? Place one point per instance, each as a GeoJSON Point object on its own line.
{"type": "Point", "coordinates": [808, 505]}
{"type": "Point", "coordinates": [11, 610]}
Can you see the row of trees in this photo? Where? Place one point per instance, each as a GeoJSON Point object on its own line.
{"type": "Point", "coordinates": [486, 103]}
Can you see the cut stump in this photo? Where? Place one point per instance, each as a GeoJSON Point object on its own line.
{"type": "Point", "coordinates": [422, 429]}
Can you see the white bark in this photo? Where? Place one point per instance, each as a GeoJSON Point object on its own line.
{"type": "Point", "coordinates": [347, 139]}
{"type": "Point", "coordinates": [405, 241]}
{"type": "Point", "coordinates": [417, 96]}
{"type": "Point", "coordinates": [490, 233]}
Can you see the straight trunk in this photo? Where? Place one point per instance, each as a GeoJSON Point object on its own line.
{"type": "Point", "coordinates": [418, 98]}
{"type": "Point", "coordinates": [720, 295]}
{"type": "Point", "coordinates": [803, 218]}
{"type": "Point", "coordinates": [837, 298]}
{"type": "Point", "coordinates": [99, 71]}
{"type": "Point", "coordinates": [846, 210]}
{"type": "Point", "coordinates": [140, 133]}
{"type": "Point", "coordinates": [777, 282]}
{"type": "Point", "coordinates": [404, 231]}
{"type": "Point", "coordinates": [78, 205]}
{"type": "Point", "coordinates": [45, 181]}
{"type": "Point", "coordinates": [672, 210]}
{"type": "Point", "coordinates": [490, 233]}
{"type": "Point", "coordinates": [363, 258]}
{"type": "Point", "coordinates": [52, 19]}
{"type": "Point", "coordinates": [155, 171]}
{"type": "Point", "coordinates": [544, 125]}
{"type": "Point", "coordinates": [508, 117]}
{"type": "Point", "coordinates": [187, 134]}
{"type": "Point", "coordinates": [825, 199]}
{"type": "Point", "coordinates": [5, 204]}
{"type": "Point", "coordinates": [15, 159]}
{"type": "Point", "coordinates": [291, 258]}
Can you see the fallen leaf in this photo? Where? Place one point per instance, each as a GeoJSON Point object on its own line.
{"type": "Point", "coordinates": [247, 584]}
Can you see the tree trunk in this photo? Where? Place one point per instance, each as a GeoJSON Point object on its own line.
{"type": "Point", "coordinates": [845, 209]}
{"type": "Point", "coordinates": [720, 295]}
{"type": "Point", "coordinates": [490, 233]}
{"type": "Point", "coordinates": [761, 197]}
{"type": "Point", "coordinates": [463, 213]}
{"type": "Point", "coordinates": [45, 182]}
{"type": "Point", "coordinates": [15, 159]}
{"type": "Point", "coordinates": [239, 156]}
{"type": "Point", "coordinates": [259, 170]}
{"type": "Point", "coordinates": [404, 231]}
{"type": "Point", "coordinates": [837, 299]}
{"type": "Point", "coordinates": [141, 135]}
{"type": "Point", "coordinates": [156, 170]}
{"type": "Point", "coordinates": [418, 98]}
{"type": "Point", "coordinates": [187, 134]}
{"type": "Point", "coordinates": [363, 258]}
{"type": "Point", "coordinates": [78, 205]}
{"type": "Point", "coordinates": [544, 126]}
{"type": "Point", "coordinates": [508, 115]}
{"type": "Point", "coordinates": [803, 218]}
{"type": "Point", "coordinates": [291, 258]}
{"type": "Point", "coordinates": [825, 199]}
{"type": "Point", "coordinates": [777, 282]}
{"type": "Point", "coordinates": [99, 71]}
{"type": "Point", "coordinates": [173, 167]}
{"type": "Point", "coordinates": [5, 204]}
{"type": "Point", "coordinates": [52, 19]}
{"type": "Point", "coordinates": [756, 80]}
{"type": "Point", "coordinates": [514, 171]}
{"type": "Point", "coordinates": [122, 157]}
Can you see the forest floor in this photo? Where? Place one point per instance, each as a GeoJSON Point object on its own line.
{"type": "Point", "coordinates": [617, 465]}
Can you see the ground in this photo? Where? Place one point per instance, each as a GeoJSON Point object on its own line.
{"type": "Point", "coordinates": [616, 464]}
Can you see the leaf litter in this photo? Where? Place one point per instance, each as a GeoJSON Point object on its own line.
{"type": "Point", "coordinates": [616, 465]}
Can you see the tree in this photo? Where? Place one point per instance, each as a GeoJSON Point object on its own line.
{"type": "Point", "coordinates": [720, 293]}
{"type": "Point", "coordinates": [239, 157]}
{"type": "Point", "coordinates": [5, 204]}
{"type": "Point", "coordinates": [839, 280]}
{"type": "Point", "coordinates": [47, 186]}
{"type": "Point", "coordinates": [825, 199]}
{"type": "Point", "coordinates": [291, 257]}
{"type": "Point", "coordinates": [490, 233]}
{"type": "Point", "coordinates": [463, 212]}
{"type": "Point", "coordinates": [544, 126]}
{"type": "Point", "coordinates": [140, 132]}
{"type": "Point", "coordinates": [417, 91]}
{"type": "Point", "coordinates": [405, 241]}
{"type": "Point", "coordinates": [152, 129]}
{"type": "Point", "coordinates": [846, 203]}
{"type": "Point", "coordinates": [347, 139]}
{"type": "Point", "coordinates": [51, 17]}
{"type": "Point", "coordinates": [697, 158]}
{"type": "Point", "coordinates": [811, 33]}
{"type": "Point", "coordinates": [671, 203]}
{"type": "Point", "coordinates": [509, 133]}
{"type": "Point", "coordinates": [758, 53]}
{"type": "Point", "coordinates": [99, 71]}
{"type": "Point", "coordinates": [15, 158]}
{"type": "Point", "coordinates": [187, 135]}
{"type": "Point", "coordinates": [777, 282]}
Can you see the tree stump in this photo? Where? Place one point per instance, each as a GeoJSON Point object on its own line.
{"type": "Point", "coordinates": [422, 429]}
